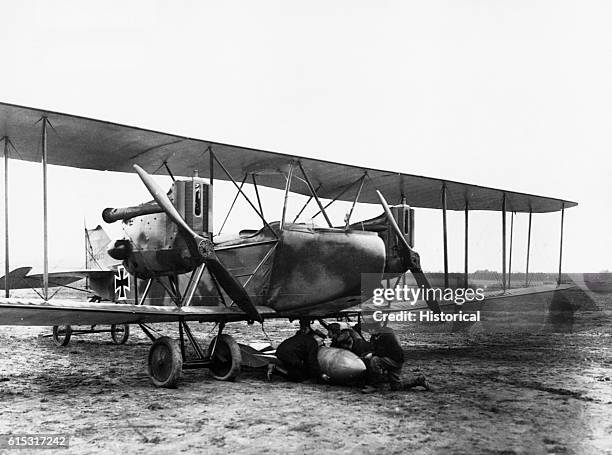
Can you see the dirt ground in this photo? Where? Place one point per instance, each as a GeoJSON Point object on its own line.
{"type": "Point", "coordinates": [503, 394]}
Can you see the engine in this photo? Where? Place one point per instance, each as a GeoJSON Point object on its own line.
{"type": "Point", "coordinates": [404, 216]}
{"type": "Point", "coordinates": [395, 256]}
{"type": "Point", "coordinates": [193, 200]}
{"type": "Point", "coordinates": [153, 244]}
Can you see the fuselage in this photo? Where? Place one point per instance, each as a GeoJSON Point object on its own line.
{"type": "Point", "coordinates": [305, 266]}
{"type": "Point", "coordinates": [289, 269]}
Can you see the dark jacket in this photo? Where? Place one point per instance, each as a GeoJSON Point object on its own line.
{"type": "Point", "coordinates": [386, 344]}
{"type": "Point", "coordinates": [300, 353]}
{"type": "Point", "coordinates": [361, 347]}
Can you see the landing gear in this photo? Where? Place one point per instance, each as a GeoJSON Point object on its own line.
{"type": "Point", "coordinates": [168, 357]}
{"type": "Point", "coordinates": [165, 362]}
{"type": "Point", "coordinates": [62, 334]}
{"type": "Point", "coordinates": [225, 358]}
{"type": "Point", "coordinates": [120, 333]}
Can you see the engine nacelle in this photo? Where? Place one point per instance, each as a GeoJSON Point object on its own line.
{"type": "Point", "coordinates": [153, 244]}
{"type": "Point", "coordinates": [404, 217]}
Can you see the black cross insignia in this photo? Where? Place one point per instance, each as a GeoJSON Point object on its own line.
{"type": "Point", "coordinates": [122, 283]}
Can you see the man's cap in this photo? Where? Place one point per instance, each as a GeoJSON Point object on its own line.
{"type": "Point", "coordinates": [332, 328]}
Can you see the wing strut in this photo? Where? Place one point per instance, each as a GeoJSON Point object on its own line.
{"type": "Point", "coordinates": [503, 212]}
{"type": "Point", "coordinates": [341, 193]}
{"type": "Point", "coordinates": [510, 250]}
{"type": "Point", "coordinates": [348, 217]}
{"type": "Point", "coordinates": [561, 242]}
{"type": "Point", "coordinates": [444, 235]}
{"type": "Point", "coordinates": [287, 189]}
{"type": "Point", "coordinates": [465, 252]}
{"type": "Point", "coordinates": [6, 219]}
{"type": "Point", "coordinates": [45, 121]}
{"type": "Point", "coordinates": [241, 192]}
{"type": "Point", "coordinates": [232, 205]}
{"type": "Point", "coordinates": [528, 250]}
{"type": "Point", "coordinates": [314, 194]}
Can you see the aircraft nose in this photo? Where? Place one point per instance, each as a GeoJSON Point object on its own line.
{"type": "Point", "coordinates": [120, 250]}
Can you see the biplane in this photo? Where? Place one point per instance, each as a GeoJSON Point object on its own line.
{"type": "Point", "coordinates": [285, 269]}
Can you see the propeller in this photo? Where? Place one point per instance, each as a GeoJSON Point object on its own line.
{"type": "Point", "coordinates": [412, 257]}
{"type": "Point", "coordinates": [202, 247]}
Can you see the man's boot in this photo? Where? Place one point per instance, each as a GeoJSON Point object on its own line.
{"type": "Point", "coordinates": [416, 382]}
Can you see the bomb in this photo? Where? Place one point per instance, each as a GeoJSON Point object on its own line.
{"type": "Point", "coordinates": [340, 365]}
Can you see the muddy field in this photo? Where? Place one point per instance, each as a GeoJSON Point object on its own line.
{"type": "Point", "coordinates": [538, 393]}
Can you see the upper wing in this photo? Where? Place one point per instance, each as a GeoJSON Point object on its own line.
{"type": "Point", "coordinates": [62, 312]}
{"type": "Point", "coordinates": [94, 144]}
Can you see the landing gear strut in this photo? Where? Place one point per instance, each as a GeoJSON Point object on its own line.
{"type": "Point", "coordinates": [168, 357]}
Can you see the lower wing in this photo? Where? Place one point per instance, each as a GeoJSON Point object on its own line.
{"type": "Point", "coordinates": [14, 311]}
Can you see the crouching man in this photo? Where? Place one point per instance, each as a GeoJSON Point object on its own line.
{"type": "Point", "coordinates": [297, 355]}
{"type": "Point", "coordinates": [385, 362]}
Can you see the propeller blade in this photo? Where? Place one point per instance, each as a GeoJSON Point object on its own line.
{"type": "Point", "coordinates": [164, 202]}
{"type": "Point", "coordinates": [413, 260]}
{"type": "Point", "coordinates": [422, 281]}
{"type": "Point", "coordinates": [232, 287]}
{"type": "Point", "coordinates": [392, 221]}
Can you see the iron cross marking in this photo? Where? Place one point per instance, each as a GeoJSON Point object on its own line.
{"type": "Point", "coordinates": [122, 283]}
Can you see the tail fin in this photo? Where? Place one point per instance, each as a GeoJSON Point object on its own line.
{"type": "Point", "coordinates": [96, 243]}
{"type": "Point", "coordinates": [16, 279]}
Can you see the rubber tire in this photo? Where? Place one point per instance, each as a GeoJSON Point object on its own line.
{"type": "Point", "coordinates": [125, 334]}
{"type": "Point", "coordinates": [225, 371]}
{"type": "Point", "coordinates": [168, 368]}
{"type": "Point", "coordinates": [56, 336]}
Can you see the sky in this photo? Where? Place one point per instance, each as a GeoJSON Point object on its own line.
{"type": "Point", "coordinates": [509, 94]}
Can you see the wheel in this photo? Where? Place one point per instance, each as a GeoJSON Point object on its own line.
{"type": "Point", "coordinates": [61, 335]}
{"type": "Point", "coordinates": [165, 362]}
{"type": "Point", "coordinates": [226, 359]}
{"type": "Point", "coordinates": [120, 333]}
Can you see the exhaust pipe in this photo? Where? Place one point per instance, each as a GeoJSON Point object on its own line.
{"type": "Point", "coordinates": [110, 215]}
